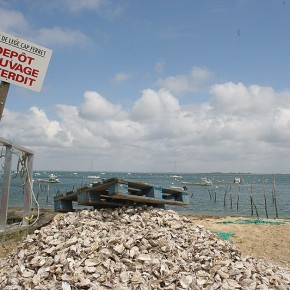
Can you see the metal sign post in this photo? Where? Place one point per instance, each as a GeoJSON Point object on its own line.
{"type": "Point", "coordinates": [4, 88]}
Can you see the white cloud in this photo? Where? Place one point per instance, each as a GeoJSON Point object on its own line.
{"type": "Point", "coordinates": [241, 128]}
{"type": "Point", "coordinates": [13, 21]}
{"type": "Point", "coordinates": [61, 37]}
{"type": "Point", "coordinates": [154, 105]}
{"type": "Point", "coordinates": [121, 77]}
{"type": "Point", "coordinates": [238, 99]}
{"type": "Point", "coordinates": [34, 128]}
{"type": "Point", "coordinates": [193, 82]}
{"type": "Point", "coordinates": [97, 107]}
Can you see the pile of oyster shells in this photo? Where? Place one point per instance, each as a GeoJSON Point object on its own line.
{"type": "Point", "coordinates": [133, 248]}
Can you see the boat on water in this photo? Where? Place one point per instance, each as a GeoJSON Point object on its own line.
{"type": "Point", "coordinates": [237, 180]}
{"type": "Point", "coordinates": [204, 182]}
{"type": "Point", "coordinates": [93, 177]}
{"type": "Point", "coordinates": [51, 179]}
{"type": "Point", "coordinates": [175, 176]}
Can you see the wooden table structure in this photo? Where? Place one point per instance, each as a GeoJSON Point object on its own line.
{"type": "Point", "coordinates": [115, 192]}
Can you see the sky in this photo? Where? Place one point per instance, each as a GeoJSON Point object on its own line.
{"type": "Point", "coordinates": [155, 85]}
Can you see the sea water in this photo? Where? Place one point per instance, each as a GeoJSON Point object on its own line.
{"type": "Point", "coordinates": [260, 194]}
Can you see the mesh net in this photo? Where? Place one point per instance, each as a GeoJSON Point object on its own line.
{"type": "Point", "coordinates": [254, 221]}
{"type": "Point", "coordinates": [225, 236]}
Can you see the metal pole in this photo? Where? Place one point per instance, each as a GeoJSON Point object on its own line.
{"type": "Point", "coordinates": [4, 88]}
{"type": "Point", "coordinates": [4, 195]}
{"type": "Point", "coordinates": [28, 187]}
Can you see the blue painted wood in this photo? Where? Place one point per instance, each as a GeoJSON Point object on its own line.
{"type": "Point", "coordinates": [117, 192]}
{"type": "Point", "coordinates": [185, 198]}
{"type": "Point", "coordinates": [88, 197]}
{"type": "Point", "coordinates": [117, 188]}
{"type": "Point", "coordinates": [63, 206]}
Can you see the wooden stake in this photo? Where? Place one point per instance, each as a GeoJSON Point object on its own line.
{"type": "Point", "coordinates": [209, 192]}
{"type": "Point", "coordinates": [238, 198]}
{"type": "Point", "coordinates": [265, 199]}
{"type": "Point", "coordinates": [4, 88]}
{"type": "Point", "coordinates": [274, 196]}
{"type": "Point", "coordinates": [251, 199]}
{"type": "Point", "coordinates": [226, 191]}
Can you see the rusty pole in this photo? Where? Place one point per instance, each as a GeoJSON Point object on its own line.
{"type": "Point", "coordinates": [4, 88]}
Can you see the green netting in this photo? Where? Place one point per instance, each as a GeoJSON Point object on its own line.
{"type": "Point", "coordinates": [225, 236]}
{"type": "Point", "coordinates": [256, 221]}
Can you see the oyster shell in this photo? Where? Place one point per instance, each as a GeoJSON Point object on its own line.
{"type": "Point", "coordinates": [133, 248]}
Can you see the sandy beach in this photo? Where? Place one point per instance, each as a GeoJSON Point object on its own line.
{"type": "Point", "coordinates": [269, 241]}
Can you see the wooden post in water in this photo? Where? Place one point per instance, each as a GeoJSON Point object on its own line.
{"type": "Point", "coordinates": [265, 198]}
{"type": "Point", "coordinates": [274, 195]}
{"type": "Point", "coordinates": [226, 191]}
{"type": "Point", "coordinates": [209, 192]}
{"type": "Point", "coordinates": [238, 198]}
{"type": "Point", "coordinates": [251, 200]}
{"type": "Point", "coordinates": [4, 88]}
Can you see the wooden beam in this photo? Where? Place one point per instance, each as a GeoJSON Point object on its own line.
{"type": "Point", "coordinates": [4, 88]}
{"type": "Point", "coordinates": [4, 194]}
{"type": "Point", "coordinates": [6, 142]}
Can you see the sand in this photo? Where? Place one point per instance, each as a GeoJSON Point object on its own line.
{"type": "Point", "coordinates": [268, 241]}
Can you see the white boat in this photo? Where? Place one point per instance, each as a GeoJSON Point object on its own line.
{"type": "Point", "coordinates": [237, 180]}
{"type": "Point", "coordinates": [204, 182]}
{"type": "Point", "coordinates": [93, 177]}
{"type": "Point", "coordinates": [52, 179]}
{"type": "Point", "coordinates": [175, 176]}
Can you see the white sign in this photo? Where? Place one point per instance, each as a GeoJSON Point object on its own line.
{"type": "Point", "coordinates": [23, 63]}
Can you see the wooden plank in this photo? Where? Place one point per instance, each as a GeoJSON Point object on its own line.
{"type": "Point", "coordinates": [63, 206]}
{"type": "Point", "coordinates": [146, 199]}
{"type": "Point", "coordinates": [15, 146]}
{"type": "Point", "coordinates": [106, 203]}
{"type": "Point", "coordinates": [95, 198]}
{"type": "Point", "coordinates": [4, 194]}
{"type": "Point", "coordinates": [72, 196]}
{"type": "Point", "coordinates": [88, 196]}
{"type": "Point", "coordinates": [4, 88]}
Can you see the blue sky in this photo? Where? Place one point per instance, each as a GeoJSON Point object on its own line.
{"type": "Point", "coordinates": [143, 85]}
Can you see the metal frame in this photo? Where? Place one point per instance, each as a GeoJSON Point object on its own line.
{"type": "Point", "coordinates": [4, 194]}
